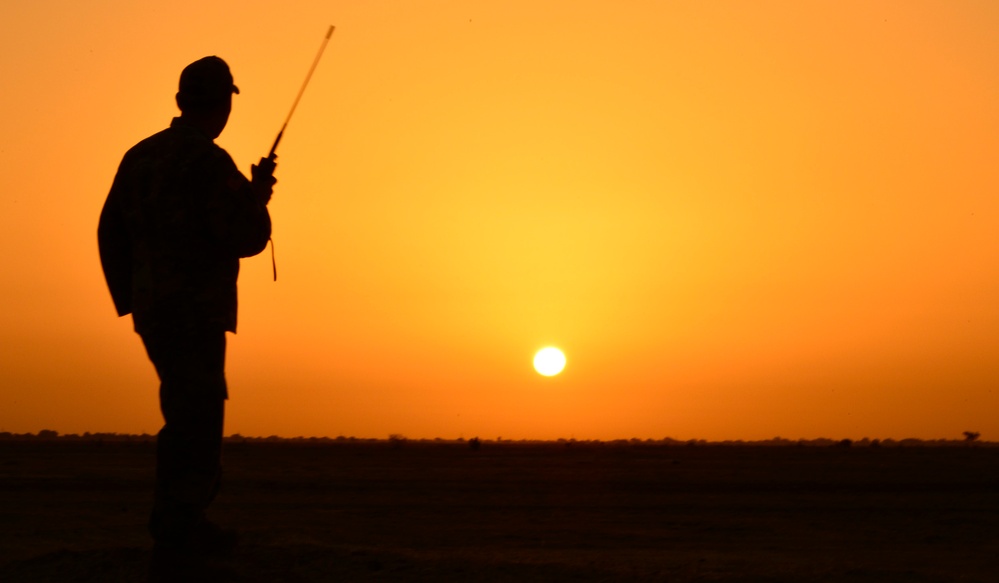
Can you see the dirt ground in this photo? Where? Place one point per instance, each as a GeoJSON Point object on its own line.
{"type": "Point", "coordinates": [76, 511]}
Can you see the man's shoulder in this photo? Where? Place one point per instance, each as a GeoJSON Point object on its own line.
{"type": "Point", "coordinates": [153, 142]}
{"type": "Point", "coordinates": [180, 144]}
{"type": "Point", "coordinates": [174, 136]}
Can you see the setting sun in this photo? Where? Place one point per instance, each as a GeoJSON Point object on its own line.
{"type": "Point", "coordinates": [549, 361]}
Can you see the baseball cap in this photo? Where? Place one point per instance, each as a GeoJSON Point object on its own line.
{"type": "Point", "coordinates": [206, 81]}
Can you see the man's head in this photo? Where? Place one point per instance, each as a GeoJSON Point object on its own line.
{"type": "Point", "coordinates": [205, 94]}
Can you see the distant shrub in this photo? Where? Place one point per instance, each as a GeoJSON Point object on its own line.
{"type": "Point", "coordinates": [474, 444]}
{"type": "Point", "coordinates": [971, 436]}
{"type": "Point", "coordinates": [48, 434]}
{"type": "Point", "coordinates": [397, 440]}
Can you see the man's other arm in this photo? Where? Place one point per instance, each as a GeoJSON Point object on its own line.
{"type": "Point", "coordinates": [115, 249]}
{"type": "Point", "coordinates": [238, 210]}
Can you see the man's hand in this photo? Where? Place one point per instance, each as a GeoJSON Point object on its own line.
{"type": "Point", "coordinates": [263, 180]}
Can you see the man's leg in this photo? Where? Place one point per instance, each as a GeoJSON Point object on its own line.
{"type": "Point", "coordinates": [191, 367]}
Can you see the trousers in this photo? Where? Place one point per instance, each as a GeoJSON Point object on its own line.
{"type": "Point", "coordinates": [191, 368]}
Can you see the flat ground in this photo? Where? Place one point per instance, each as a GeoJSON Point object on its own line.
{"type": "Point", "coordinates": [75, 511]}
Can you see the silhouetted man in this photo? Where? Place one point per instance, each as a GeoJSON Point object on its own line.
{"type": "Point", "coordinates": [177, 220]}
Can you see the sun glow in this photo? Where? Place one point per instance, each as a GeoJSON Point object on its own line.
{"type": "Point", "coordinates": [549, 361]}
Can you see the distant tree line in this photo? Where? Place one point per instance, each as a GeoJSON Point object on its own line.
{"type": "Point", "coordinates": [51, 435]}
{"type": "Point", "coordinates": [398, 441]}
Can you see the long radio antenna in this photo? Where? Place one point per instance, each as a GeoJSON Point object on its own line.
{"type": "Point", "coordinates": [322, 48]}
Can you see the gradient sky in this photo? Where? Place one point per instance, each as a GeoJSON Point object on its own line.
{"type": "Point", "coordinates": [739, 219]}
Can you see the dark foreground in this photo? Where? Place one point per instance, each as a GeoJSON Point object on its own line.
{"type": "Point", "coordinates": [509, 512]}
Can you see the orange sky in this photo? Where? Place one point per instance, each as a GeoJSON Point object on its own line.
{"type": "Point", "coordinates": [739, 220]}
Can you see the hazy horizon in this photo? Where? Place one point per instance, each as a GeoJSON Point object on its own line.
{"type": "Point", "coordinates": [974, 438]}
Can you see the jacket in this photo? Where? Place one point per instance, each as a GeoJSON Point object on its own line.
{"type": "Point", "coordinates": [175, 223]}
